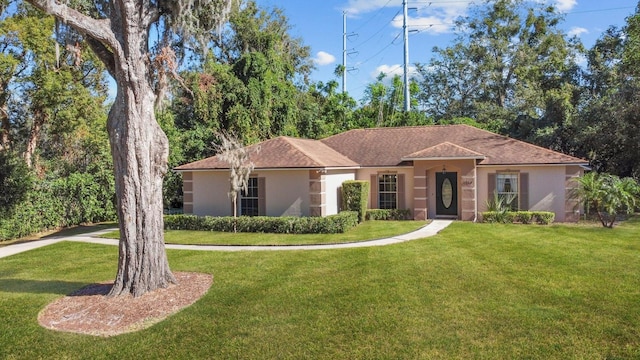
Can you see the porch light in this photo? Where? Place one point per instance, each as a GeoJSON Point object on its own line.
{"type": "Point", "coordinates": [444, 170]}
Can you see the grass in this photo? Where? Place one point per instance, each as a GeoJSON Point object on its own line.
{"type": "Point", "coordinates": [475, 291]}
{"type": "Point", "coordinates": [368, 230]}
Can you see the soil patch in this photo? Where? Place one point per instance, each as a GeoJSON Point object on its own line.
{"type": "Point", "coordinates": [90, 311]}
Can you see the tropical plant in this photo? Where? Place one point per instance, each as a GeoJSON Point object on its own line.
{"type": "Point", "coordinates": [608, 195]}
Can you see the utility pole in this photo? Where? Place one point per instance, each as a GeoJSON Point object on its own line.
{"type": "Point", "coordinates": [405, 28]}
{"type": "Point", "coordinates": [344, 51]}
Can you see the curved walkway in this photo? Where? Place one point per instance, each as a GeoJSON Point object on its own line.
{"type": "Point", "coordinates": [426, 231]}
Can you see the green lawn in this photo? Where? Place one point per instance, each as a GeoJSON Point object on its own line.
{"type": "Point", "coordinates": [476, 291]}
{"type": "Point", "coordinates": [368, 230]}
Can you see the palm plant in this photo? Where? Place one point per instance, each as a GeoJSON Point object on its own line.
{"type": "Point", "coordinates": [608, 195]}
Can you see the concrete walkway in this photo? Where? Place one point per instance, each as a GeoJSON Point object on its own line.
{"type": "Point", "coordinates": [426, 231]}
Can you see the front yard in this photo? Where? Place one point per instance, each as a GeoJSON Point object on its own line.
{"type": "Point", "coordinates": [474, 291]}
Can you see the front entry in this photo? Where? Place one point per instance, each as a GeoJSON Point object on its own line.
{"type": "Point", "coordinates": [447, 194]}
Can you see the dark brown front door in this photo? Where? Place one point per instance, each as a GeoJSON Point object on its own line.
{"type": "Point", "coordinates": [447, 194]}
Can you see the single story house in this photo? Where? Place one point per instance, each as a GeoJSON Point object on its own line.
{"type": "Point", "coordinates": [445, 171]}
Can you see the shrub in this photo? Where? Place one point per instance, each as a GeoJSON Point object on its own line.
{"type": "Point", "coordinates": [388, 214]}
{"type": "Point", "coordinates": [72, 200]}
{"type": "Point", "coordinates": [355, 197]}
{"type": "Point", "coordinates": [544, 217]}
{"type": "Point", "coordinates": [524, 217]}
{"type": "Point", "coordinates": [265, 224]}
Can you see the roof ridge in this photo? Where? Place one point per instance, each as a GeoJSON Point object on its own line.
{"type": "Point", "coordinates": [305, 153]}
{"type": "Point", "coordinates": [459, 146]}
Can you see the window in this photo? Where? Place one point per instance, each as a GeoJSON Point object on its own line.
{"type": "Point", "coordinates": [388, 191]}
{"type": "Point", "coordinates": [507, 189]}
{"type": "Point", "coordinates": [249, 203]}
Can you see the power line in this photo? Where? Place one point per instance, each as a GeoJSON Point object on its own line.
{"type": "Point", "coordinates": [373, 17]}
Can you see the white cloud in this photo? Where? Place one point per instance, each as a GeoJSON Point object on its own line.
{"type": "Point", "coordinates": [355, 7]}
{"type": "Point", "coordinates": [577, 31]}
{"type": "Point", "coordinates": [566, 5]}
{"type": "Point", "coordinates": [324, 58]}
{"type": "Point", "coordinates": [435, 18]}
{"type": "Point", "coordinates": [392, 70]}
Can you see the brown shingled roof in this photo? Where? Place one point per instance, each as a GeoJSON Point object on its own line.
{"type": "Point", "coordinates": [282, 152]}
{"type": "Point", "coordinates": [393, 147]}
{"type": "Point", "coordinates": [388, 146]}
{"type": "Point", "coordinates": [445, 150]}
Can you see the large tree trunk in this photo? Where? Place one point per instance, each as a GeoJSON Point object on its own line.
{"type": "Point", "coordinates": [140, 155]}
{"type": "Point", "coordinates": [140, 151]}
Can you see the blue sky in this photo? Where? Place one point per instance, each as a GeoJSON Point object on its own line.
{"type": "Point", "coordinates": [375, 43]}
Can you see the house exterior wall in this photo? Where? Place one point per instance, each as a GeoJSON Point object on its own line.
{"type": "Point", "coordinates": [333, 189]}
{"type": "Point", "coordinates": [548, 188]}
{"type": "Point", "coordinates": [425, 187]}
{"type": "Point", "coordinates": [210, 194]}
{"type": "Point", "coordinates": [287, 192]}
{"type": "Point", "coordinates": [365, 175]}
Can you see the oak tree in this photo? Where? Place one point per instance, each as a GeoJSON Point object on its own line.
{"type": "Point", "coordinates": [118, 32]}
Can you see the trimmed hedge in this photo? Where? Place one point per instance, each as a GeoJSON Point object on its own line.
{"type": "Point", "coordinates": [388, 214]}
{"type": "Point", "coordinates": [331, 224]}
{"type": "Point", "coordinates": [355, 197]}
{"type": "Point", "coordinates": [524, 217]}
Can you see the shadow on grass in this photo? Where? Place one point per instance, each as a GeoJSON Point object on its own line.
{"type": "Point", "coordinates": [41, 286]}
{"type": "Point", "coordinates": [76, 230]}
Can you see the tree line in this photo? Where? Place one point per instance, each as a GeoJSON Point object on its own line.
{"type": "Point", "coordinates": [512, 70]}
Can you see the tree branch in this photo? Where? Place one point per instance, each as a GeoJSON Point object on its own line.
{"type": "Point", "coordinates": [97, 29]}
{"type": "Point", "coordinates": [104, 54]}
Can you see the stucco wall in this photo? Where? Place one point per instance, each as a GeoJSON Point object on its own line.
{"type": "Point", "coordinates": [210, 193]}
{"type": "Point", "coordinates": [546, 187]}
{"type": "Point", "coordinates": [287, 192]}
{"type": "Point", "coordinates": [333, 186]}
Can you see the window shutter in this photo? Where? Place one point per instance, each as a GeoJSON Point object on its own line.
{"type": "Point", "coordinates": [400, 194]}
{"type": "Point", "coordinates": [374, 191]}
{"type": "Point", "coordinates": [492, 186]}
{"type": "Point", "coordinates": [262, 193]}
{"type": "Point", "coordinates": [524, 191]}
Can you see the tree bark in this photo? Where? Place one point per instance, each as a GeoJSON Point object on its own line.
{"type": "Point", "coordinates": [39, 118]}
{"type": "Point", "coordinates": [140, 151]}
{"type": "Point", "coordinates": [5, 125]}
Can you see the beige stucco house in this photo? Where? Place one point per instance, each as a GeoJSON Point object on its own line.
{"type": "Point", "coordinates": [435, 171]}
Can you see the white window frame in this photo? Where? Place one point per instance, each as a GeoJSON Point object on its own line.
{"type": "Point", "coordinates": [508, 184]}
{"type": "Point", "coordinates": [387, 188]}
{"type": "Point", "coordinates": [250, 196]}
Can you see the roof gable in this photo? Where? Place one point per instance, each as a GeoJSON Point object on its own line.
{"type": "Point", "coordinates": [282, 152]}
{"type": "Point", "coordinates": [444, 151]}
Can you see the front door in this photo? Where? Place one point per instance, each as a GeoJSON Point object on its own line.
{"type": "Point", "coordinates": [447, 194]}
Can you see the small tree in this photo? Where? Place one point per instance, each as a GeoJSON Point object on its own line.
{"type": "Point", "coordinates": [608, 195]}
{"type": "Point", "coordinates": [236, 155]}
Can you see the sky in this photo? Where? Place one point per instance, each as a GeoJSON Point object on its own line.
{"type": "Point", "coordinates": [374, 28]}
